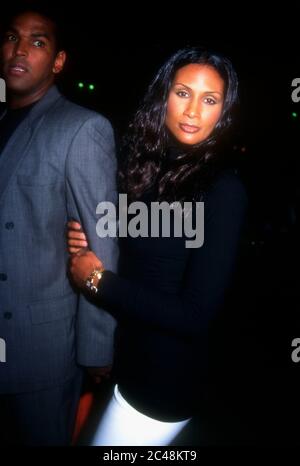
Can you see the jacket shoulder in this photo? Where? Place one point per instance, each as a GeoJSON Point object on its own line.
{"type": "Point", "coordinates": [73, 116]}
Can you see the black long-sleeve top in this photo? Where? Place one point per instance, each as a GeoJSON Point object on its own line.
{"type": "Point", "coordinates": [165, 297]}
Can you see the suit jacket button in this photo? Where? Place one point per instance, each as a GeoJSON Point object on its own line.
{"type": "Point", "coordinates": [3, 277]}
{"type": "Point", "coordinates": [7, 315]}
{"type": "Point", "coordinates": [9, 225]}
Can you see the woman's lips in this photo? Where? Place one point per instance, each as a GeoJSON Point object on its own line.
{"type": "Point", "coordinates": [189, 128]}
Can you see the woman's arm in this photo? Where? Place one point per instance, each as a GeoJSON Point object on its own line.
{"type": "Point", "coordinates": [208, 274]}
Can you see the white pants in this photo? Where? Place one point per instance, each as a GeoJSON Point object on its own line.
{"type": "Point", "coordinates": [121, 424]}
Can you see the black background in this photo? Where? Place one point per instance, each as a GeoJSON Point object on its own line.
{"type": "Point", "coordinates": [254, 386]}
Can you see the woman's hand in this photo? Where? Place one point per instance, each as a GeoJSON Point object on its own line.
{"type": "Point", "coordinates": [81, 266]}
{"type": "Point", "coordinates": [82, 261]}
{"type": "Point", "coordinates": [76, 238]}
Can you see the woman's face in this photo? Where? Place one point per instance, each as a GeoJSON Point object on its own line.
{"type": "Point", "coordinates": [195, 103]}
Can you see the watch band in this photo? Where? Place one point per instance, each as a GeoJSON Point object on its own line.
{"type": "Point", "coordinates": [93, 280]}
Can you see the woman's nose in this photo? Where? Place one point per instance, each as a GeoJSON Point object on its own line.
{"type": "Point", "coordinates": [192, 110]}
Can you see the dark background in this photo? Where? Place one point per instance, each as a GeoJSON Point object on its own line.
{"type": "Point", "coordinates": [254, 385]}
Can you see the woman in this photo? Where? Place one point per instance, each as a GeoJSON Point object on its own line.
{"type": "Point", "coordinates": [166, 295]}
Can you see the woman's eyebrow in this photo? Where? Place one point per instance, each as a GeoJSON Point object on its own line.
{"type": "Point", "coordinates": [206, 92]}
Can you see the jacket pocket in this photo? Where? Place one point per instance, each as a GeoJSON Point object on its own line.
{"type": "Point", "coordinates": [53, 309]}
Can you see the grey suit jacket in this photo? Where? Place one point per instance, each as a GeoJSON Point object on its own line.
{"type": "Point", "coordinates": [59, 164]}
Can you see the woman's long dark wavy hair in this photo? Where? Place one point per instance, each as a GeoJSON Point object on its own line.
{"type": "Point", "coordinates": [148, 140]}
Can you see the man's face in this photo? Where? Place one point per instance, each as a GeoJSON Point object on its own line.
{"type": "Point", "coordinates": [29, 57]}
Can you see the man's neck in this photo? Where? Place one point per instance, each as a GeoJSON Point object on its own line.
{"type": "Point", "coordinates": [16, 101]}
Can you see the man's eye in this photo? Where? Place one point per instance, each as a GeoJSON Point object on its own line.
{"type": "Point", "coordinates": [39, 43]}
{"type": "Point", "coordinates": [10, 37]}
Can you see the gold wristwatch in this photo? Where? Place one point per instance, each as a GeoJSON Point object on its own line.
{"type": "Point", "coordinates": [93, 280]}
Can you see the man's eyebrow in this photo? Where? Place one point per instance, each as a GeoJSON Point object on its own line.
{"type": "Point", "coordinates": [34, 34]}
{"type": "Point", "coordinates": [11, 29]}
{"type": "Point", "coordinates": [40, 34]}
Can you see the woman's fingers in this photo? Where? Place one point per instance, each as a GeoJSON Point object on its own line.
{"type": "Point", "coordinates": [77, 243]}
{"type": "Point", "coordinates": [74, 225]}
{"type": "Point", "coordinates": [76, 238]}
{"type": "Point", "coordinates": [73, 250]}
{"type": "Point", "coordinates": [76, 235]}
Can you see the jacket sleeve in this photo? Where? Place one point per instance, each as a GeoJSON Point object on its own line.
{"type": "Point", "coordinates": [208, 274]}
{"type": "Point", "coordinates": [91, 179]}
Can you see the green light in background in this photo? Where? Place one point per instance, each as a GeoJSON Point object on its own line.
{"type": "Point", "coordinates": [81, 85]}
{"type": "Point", "coordinates": [294, 114]}
{"type": "Point", "coordinates": [91, 87]}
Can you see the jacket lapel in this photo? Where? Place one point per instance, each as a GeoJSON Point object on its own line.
{"type": "Point", "coordinates": [19, 143]}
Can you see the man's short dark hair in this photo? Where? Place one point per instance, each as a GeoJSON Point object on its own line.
{"type": "Point", "coordinates": [54, 14]}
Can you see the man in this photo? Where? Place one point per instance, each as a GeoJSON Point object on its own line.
{"type": "Point", "coordinates": [57, 162]}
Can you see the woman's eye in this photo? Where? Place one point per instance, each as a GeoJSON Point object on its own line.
{"type": "Point", "coordinates": [39, 43]}
{"type": "Point", "coordinates": [209, 101]}
{"type": "Point", "coordinates": [182, 93]}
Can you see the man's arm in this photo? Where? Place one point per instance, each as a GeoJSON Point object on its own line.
{"type": "Point", "coordinates": [90, 179]}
